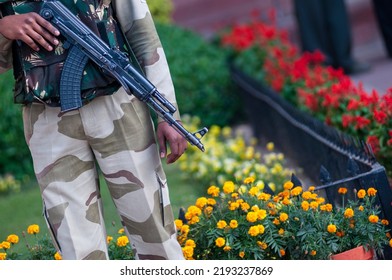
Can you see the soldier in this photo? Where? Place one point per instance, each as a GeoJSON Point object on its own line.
{"type": "Point", "coordinates": [112, 130]}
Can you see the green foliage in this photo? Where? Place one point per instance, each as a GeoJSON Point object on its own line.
{"type": "Point", "coordinates": [15, 157]}
{"type": "Point", "coordinates": [201, 77]}
{"type": "Point", "coordinates": [161, 10]}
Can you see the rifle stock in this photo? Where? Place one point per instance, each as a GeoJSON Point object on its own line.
{"type": "Point", "coordinates": [85, 43]}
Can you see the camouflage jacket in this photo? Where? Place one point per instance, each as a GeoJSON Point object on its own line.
{"type": "Point", "coordinates": [42, 69]}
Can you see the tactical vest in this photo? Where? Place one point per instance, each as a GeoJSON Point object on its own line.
{"type": "Point", "coordinates": [37, 74]}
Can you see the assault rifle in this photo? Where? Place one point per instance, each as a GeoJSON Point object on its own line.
{"type": "Point", "coordinates": [84, 44]}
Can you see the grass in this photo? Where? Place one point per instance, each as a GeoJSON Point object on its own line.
{"type": "Point", "coordinates": [18, 211]}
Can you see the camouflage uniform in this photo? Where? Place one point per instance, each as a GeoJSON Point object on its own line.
{"type": "Point", "coordinates": [114, 131]}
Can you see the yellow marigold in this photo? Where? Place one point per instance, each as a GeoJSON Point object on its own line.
{"type": "Point", "coordinates": [262, 245]}
{"type": "Point", "coordinates": [187, 252]}
{"type": "Point", "coordinates": [361, 208]}
{"type": "Point", "coordinates": [228, 187]}
{"type": "Point", "coordinates": [261, 229]}
{"type": "Point", "coordinates": [251, 217]}
{"type": "Point", "coordinates": [221, 224]}
{"type": "Point", "coordinates": [233, 206]}
{"type": "Point", "coordinates": [281, 231]}
{"type": "Point", "coordinates": [373, 219]}
{"type": "Point", "coordinates": [185, 229]}
{"type": "Point", "coordinates": [122, 241]}
{"type": "Point", "coordinates": [361, 193]}
{"type": "Point", "coordinates": [253, 191]}
{"type": "Point", "coordinates": [261, 214]}
{"type": "Point", "coordinates": [121, 231]}
{"type": "Point", "coordinates": [264, 196]}
{"type": "Point", "coordinates": [109, 239]}
{"type": "Point", "coordinates": [57, 256]}
{"type": "Point", "coordinates": [3, 256]}
{"type": "Point", "coordinates": [191, 243]}
{"type": "Point", "coordinates": [249, 180]}
{"type": "Point", "coordinates": [208, 211]}
{"type": "Point", "coordinates": [313, 252]}
{"type": "Point", "coordinates": [390, 242]}
{"type": "Point", "coordinates": [331, 228]}
{"type": "Point", "coordinates": [306, 195]}
{"type": "Point", "coordinates": [201, 202]}
{"type": "Point", "coordinates": [226, 248]}
{"type": "Point", "coordinates": [255, 208]}
{"type": "Point", "coordinates": [213, 191]}
{"type": "Point", "coordinates": [194, 210]}
{"type": "Point", "coordinates": [296, 191]}
{"type": "Point", "coordinates": [286, 201]}
{"type": "Point", "coordinates": [328, 207]}
{"type": "Point", "coordinates": [371, 192]}
{"type": "Point", "coordinates": [283, 217]}
{"type": "Point", "coordinates": [288, 185]}
{"type": "Point", "coordinates": [179, 223]}
{"type": "Point", "coordinates": [33, 229]}
{"type": "Point", "coordinates": [342, 190]}
{"type": "Point", "coordinates": [348, 213]}
{"type": "Point", "coordinates": [220, 242]}
{"type": "Point", "coordinates": [276, 221]}
{"type": "Point", "coordinates": [242, 254]}
{"type": "Point", "coordinates": [253, 231]}
{"type": "Point", "coordinates": [313, 204]}
{"type": "Point", "coordinates": [194, 220]}
{"type": "Point", "coordinates": [211, 201]}
{"type": "Point", "coordinates": [233, 224]}
{"type": "Point", "coordinates": [5, 245]}
{"type": "Point", "coordinates": [305, 205]}
{"type": "Point", "coordinates": [311, 188]}
{"type": "Point", "coordinates": [13, 238]}
{"type": "Point", "coordinates": [245, 206]}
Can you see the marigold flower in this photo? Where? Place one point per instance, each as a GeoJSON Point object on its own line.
{"type": "Point", "coordinates": [191, 243]}
{"type": "Point", "coordinates": [262, 245]}
{"type": "Point", "coordinates": [288, 185]}
{"type": "Point", "coordinates": [179, 223]}
{"type": "Point", "coordinates": [220, 242]}
{"type": "Point", "coordinates": [281, 231]}
{"type": "Point", "coordinates": [313, 252]}
{"type": "Point", "coordinates": [371, 192]}
{"type": "Point", "coordinates": [311, 188]}
{"type": "Point", "coordinates": [385, 222]}
{"type": "Point", "coordinates": [109, 239]}
{"type": "Point", "coordinates": [348, 213]}
{"type": "Point", "coordinates": [5, 245]}
{"type": "Point", "coordinates": [249, 180]}
{"type": "Point", "coordinates": [253, 231]}
{"type": "Point", "coordinates": [261, 229]}
{"type": "Point", "coordinates": [306, 195]}
{"type": "Point", "coordinates": [221, 224]}
{"type": "Point", "coordinates": [185, 229]}
{"type": "Point", "coordinates": [270, 146]}
{"type": "Point", "coordinates": [373, 219]}
{"type": "Point", "coordinates": [233, 206]}
{"type": "Point", "coordinates": [242, 254]}
{"type": "Point", "coordinates": [296, 191]}
{"type": "Point", "coordinates": [331, 228]}
{"type": "Point", "coordinates": [3, 256]}
{"type": "Point", "coordinates": [213, 191]}
{"type": "Point", "coordinates": [187, 252]}
{"type": "Point", "coordinates": [33, 229]}
{"type": "Point", "coordinates": [313, 204]}
{"type": "Point", "coordinates": [121, 231]}
{"type": "Point", "coordinates": [211, 201]}
{"type": "Point", "coordinates": [233, 224]}
{"type": "Point", "coordinates": [390, 243]}
{"type": "Point", "coordinates": [228, 187]}
{"type": "Point", "coordinates": [264, 196]}
{"type": "Point", "coordinates": [122, 241]}
{"type": "Point", "coordinates": [361, 193]}
{"type": "Point", "coordinates": [342, 190]}
{"type": "Point", "coordinates": [226, 248]}
{"type": "Point", "coordinates": [245, 206]}
{"type": "Point", "coordinates": [251, 217]}
{"type": "Point", "coordinates": [13, 238]}
{"type": "Point", "coordinates": [283, 217]}
{"type": "Point", "coordinates": [261, 214]}
{"type": "Point", "coordinates": [201, 202]}
{"type": "Point", "coordinates": [282, 252]}
{"type": "Point", "coordinates": [305, 205]}
{"type": "Point", "coordinates": [57, 256]}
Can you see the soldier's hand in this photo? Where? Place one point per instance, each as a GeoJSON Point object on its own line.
{"type": "Point", "coordinates": [30, 28]}
{"type": "Point", "coordinates": [178, 144]}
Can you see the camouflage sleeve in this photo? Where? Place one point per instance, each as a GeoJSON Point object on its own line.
{"type": "Point", "coordinates": [136, 21]}
{"type": "Point", "coordinates": [5, 54]}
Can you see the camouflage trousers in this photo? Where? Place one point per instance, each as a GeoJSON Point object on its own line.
{"type": "Point", "coordinates": [116, 134]}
